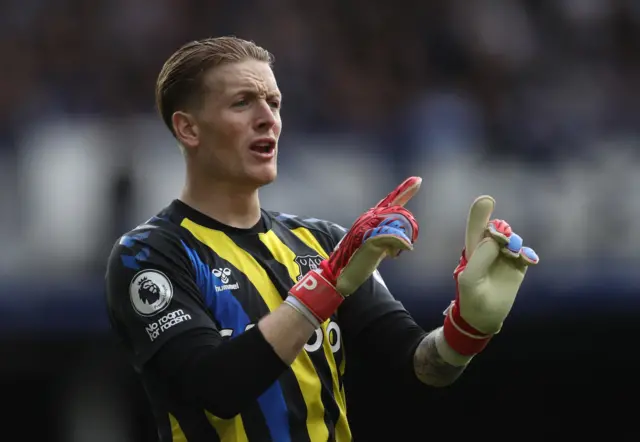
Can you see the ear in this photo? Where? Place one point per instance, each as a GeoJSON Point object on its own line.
{"type": "Point", "coordinates": [186, 128]}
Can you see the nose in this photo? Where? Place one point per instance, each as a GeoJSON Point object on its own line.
{"type": "Point", "coordinates": [266, 118]}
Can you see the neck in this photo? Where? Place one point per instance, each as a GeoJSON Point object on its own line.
{"type": "Point", "coordinates": [223, 201]}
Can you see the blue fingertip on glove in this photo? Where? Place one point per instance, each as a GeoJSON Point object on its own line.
{"type": "Point", "coordinates": [530, 254]}
{"type": "Point", "coordinates": [385, 230]}
{"type": "Point", "coordinates": [515, 243]}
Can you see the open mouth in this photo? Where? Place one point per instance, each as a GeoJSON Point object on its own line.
{"type": "Point", "coordinates": [263, 147]}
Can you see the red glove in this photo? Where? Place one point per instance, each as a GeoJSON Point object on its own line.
{"type": "Point", "coordinates": [384, 230]}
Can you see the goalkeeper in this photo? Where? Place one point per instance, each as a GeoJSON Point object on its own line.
{"type": "Point", "coordinates": [237, 318]}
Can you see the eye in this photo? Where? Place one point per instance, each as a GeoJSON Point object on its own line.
{"type": "Point", "coordinates": [274, 104]}
{"type": "Point", "coordinates": [241, 103]}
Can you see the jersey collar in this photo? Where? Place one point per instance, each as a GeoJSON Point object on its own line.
{"type": "Point", "coordinates": [185, 211]}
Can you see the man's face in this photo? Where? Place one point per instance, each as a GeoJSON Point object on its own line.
{"type": "Point", "coordinates": [239, 124]}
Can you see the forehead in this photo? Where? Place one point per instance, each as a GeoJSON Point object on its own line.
{"type": "Point", "coordinates": [248, 74]}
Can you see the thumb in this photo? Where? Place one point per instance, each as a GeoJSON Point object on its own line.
{"type": "Point", "coordinates": [402, 194]}
{"type": "Point", "coordinates": [481, 260]}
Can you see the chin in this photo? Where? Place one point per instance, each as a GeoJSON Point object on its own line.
{"type": "Point", "coordinates": [263, 177]}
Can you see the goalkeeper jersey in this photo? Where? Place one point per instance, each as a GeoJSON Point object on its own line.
{"type": "Point", "coordinates": [182, 270]}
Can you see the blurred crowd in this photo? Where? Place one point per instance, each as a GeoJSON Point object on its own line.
{"type": "Point", "coordinates": [533, 78]}
{"type": "Point", "coordinates": [486, 96]}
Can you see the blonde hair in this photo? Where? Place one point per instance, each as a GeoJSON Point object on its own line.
{"type": "Point", "coordinates": [180, 82]}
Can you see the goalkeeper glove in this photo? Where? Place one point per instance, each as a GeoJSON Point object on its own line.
{"type": "Point", "coordinates": [384, 230]}
{"type": "Point", "coordinates": [491, 270]}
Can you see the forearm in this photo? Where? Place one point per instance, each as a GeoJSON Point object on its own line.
{"type": "Point", "coordinates": [435, 363]}
{"type": "Point", "coordinates": [224, 376]}
{"type": "Point", "coordinates": [221, 376]}
{"type": "Point", "coordinates": [287, 330]}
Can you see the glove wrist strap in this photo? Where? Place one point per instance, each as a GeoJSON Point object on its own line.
{"type": "Point", "coordinates": [460, 336]}
{"type": "Point", "coordinates": [317, 295]}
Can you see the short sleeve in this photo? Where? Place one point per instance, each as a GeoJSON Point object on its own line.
{"type": "Point", "coordinates": [152, 293]}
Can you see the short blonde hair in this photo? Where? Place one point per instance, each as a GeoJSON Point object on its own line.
{"type": "Point", "coordinates": [180, 82]}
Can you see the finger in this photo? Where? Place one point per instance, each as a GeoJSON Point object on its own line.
{"type": "Point", "coordinates": [401, 222]}
{"type": "Point", "coordinates": [402, 194]}
{"type": "Point", "coordinates": [393, 245]}
{"type": "Point", "coordinates": [529, 256]}
{"type": "Point", "coordinates": [512, 271]}
{"type": "Point", "coordinates": [478, 265]}
{"type": "Point", "coordinates": [372, 235]}
{"type": "Point", "coordinates": [514, 246]}
{"type": "Point", "coordinates": [500, 231]}
{"type": "Point", "coordinates": [388, 239]}
{"type": "Point", "coordinates": [479, 215]}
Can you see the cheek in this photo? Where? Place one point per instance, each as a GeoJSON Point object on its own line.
{"type": "Point", "coordinates": [230, 135]}
{"type": "Point", "coordinates": [277, 128]}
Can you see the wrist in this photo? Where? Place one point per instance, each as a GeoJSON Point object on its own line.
{"type": "Point", "coordinates": [302, 309]}
{"type": "Point", "coordinates": [460, 336]}
{"type": "Point", "coordinates": [315, 297]}
{"type": "Point", "coordinates": [448, 354]}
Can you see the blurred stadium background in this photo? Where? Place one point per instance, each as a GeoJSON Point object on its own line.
{"type": "Point", "coordinates": [536, 102]}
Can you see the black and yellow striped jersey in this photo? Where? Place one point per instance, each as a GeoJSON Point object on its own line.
{"type": "Point", "coordinates": [182, 270]}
